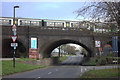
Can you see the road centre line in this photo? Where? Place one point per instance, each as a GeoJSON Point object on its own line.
{"type": "Point", "coordinates": [49, 72]}
{"type": "Point", "coordinates": [81, 70]}
{"type": "Point", "coordinates": [39, 77]}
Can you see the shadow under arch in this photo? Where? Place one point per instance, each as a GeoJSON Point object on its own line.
{"type": "Point", "coordinates": [7, 50]}
{"type": "Point", "coordinates": [57, 43]}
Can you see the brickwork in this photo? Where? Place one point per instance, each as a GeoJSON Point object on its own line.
{"type": "Point", "coordinates": [50, 38]}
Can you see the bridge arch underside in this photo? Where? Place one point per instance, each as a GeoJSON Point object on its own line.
{"type": "Point", "coordinates": [8, 51]}
{"type": "Point", "coordinates": [46, 52]}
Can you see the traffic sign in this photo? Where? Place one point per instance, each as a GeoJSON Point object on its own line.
{"type": "Point", "coordinates": [14, 29]}
{"type": "Point", "coordinates": [14, 26]}
{"type": "Point", "coordinates": [14, 44]}
{"type": "Point", "coordinates": [14, 38]}
{"type": "Point", "coordinates": [97, 43]}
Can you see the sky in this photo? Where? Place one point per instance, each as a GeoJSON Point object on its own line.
{"type": "Point", "coordinates": [43, 10]}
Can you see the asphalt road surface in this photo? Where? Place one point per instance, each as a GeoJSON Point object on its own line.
{"type": "Point", "coordinates": [59, 71]}
{"type": "Point", "coordinates": [73, 60]}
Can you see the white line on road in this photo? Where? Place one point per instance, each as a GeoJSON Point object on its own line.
{"type": "Point", "coordinates": [81, 70]}
{"type": "Point", "coordinates": [39, 77]}
{"type": "Point", "coordinates": [49, 72]}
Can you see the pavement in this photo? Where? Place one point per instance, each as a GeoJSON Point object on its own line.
{"type": "Point", "coordinates": [6, 59]}
{"type": "Point", "coordinates": [60, 71]}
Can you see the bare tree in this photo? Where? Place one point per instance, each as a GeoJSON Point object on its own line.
{"type": "Point", "coordinates": [101, 11]}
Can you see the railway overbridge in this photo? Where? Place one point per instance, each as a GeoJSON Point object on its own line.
{"type": "Point", "coordinates": [48, 38]}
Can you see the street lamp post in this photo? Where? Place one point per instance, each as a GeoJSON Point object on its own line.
{"type": "Point", "coordinates": [14, 48]}
{"type": "Point", "coordinates": [14, 13]}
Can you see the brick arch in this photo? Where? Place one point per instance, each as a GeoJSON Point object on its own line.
{"type": "Point", "coordinates": [7, 50]}
{"type": "Point", "coordinates": [54, 44]}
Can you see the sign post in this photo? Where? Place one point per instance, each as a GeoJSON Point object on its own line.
{"type": "Point", "coordinates": [115, 44]}
{"type": "Point", "coordinates": [98, 45]}
{"type": "Point", "coordinates": [14, 38]}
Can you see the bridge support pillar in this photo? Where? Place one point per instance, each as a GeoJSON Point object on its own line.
{"type": "Point", "coordinates": [41, 56]}
{"type": "Point", "coordinates": [95, 52]}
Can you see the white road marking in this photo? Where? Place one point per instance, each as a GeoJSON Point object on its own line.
{"type": "Point", "coordinates": [39, 77]}
{"type": "Point", "coordinates": [49, 72]}
{"type": "Point", "coordinates": [81, 70]}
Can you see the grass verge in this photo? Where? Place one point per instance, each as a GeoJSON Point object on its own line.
{"type": "Point", "coordinates": [104, 73]}
{"type": "Point", "coordinates": [7, 67]}
{"type": "Point", "coordinates": [62, 58]}
{"type": "Point", "coordinates": [90, 62]}
{"type": "Point", "coordinates": [100, 61]}
{"type": "Point", "coordinates": [22, 59]}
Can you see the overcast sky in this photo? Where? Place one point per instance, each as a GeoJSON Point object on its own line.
{"type": "Point", "coordinates": [43, 10]}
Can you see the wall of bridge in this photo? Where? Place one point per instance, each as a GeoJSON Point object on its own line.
{"type": "Point", "coordinates": [50, 38]}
